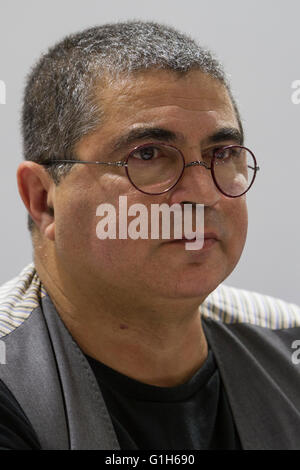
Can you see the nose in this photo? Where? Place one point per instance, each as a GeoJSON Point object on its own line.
{"type": "Point", "coordinates": [196, 185]}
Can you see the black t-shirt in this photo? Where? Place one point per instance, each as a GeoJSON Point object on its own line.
{"type": "Point", "coordinates": [194, 415]}
{"type": "Point", "coordinates": [16, 432]}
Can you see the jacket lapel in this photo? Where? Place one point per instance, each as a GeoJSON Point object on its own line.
{"type": "Point", "coordinates": [89, 423]}
{"type": "Point", "coordinates": [261, 382]}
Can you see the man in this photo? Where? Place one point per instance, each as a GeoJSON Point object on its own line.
{"type": "Point", "coordinates": [135, 343]}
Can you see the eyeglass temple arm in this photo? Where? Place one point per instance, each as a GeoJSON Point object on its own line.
{"type": "Point", "coordinates": [120, 164]}
{"type": "Point", "coordinates": [83, 161]}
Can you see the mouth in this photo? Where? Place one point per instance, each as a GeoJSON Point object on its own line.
{"type": "Point", "coordinates": [210, 239]}
{"type": "Point", "coordinates": [207, 236]}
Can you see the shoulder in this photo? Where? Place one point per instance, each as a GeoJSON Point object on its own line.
{"type": "Point", "coordinates": [18, 298]}
{"type": "Point", "coordinates": [232, 305]}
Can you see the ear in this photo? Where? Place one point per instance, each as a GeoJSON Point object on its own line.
{"type": "Point", "coordinates": [37, 191]}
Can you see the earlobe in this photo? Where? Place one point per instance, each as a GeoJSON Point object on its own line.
{"type": "Point", "coordinates": [35, 190]}
{"type": "Point", "coordinates": [49, 231]}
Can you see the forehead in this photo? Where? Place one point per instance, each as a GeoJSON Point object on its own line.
{"type": "Point", "coordinates": [193, 104]}
{"type": "Point", "coordinates": [193, 91]}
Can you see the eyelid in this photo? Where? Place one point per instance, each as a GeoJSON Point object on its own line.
{"type": "Point", "coordinates": [212, 150]}
{"type": "Point", "coordinates": [151, 144]}
{"type": "Point", "coordinates": [216, 147]}
{"type": "Point", "coordinates": [129, 148]}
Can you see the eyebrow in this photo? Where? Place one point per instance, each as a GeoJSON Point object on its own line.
{"type": "Point", "coordinates": [166, 135]}
{"type": "Point", "coordinates": [226, 133]}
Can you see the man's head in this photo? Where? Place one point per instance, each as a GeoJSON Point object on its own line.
{"type": "Point", "coordinates": [82, 97]}
{"type": "Point", "coordinates": [61, 102]}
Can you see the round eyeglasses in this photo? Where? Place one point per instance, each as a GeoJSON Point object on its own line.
{"type": "Point", "coordinates": [156, 168]}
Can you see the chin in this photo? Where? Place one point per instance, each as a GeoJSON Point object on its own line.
{"type": "Point", "coordinates": [198, 281]}
{"type": "Point", "coordinates": [197, 288]}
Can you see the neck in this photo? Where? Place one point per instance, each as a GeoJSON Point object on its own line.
{"type": "Point", "coordinates": [160, 343]}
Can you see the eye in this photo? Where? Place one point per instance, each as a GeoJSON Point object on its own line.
{"type": "Point", "coordinates": [221, 154]}
{"type": "Point", "coordinates": [229, 156]}
{"type": "Point", "coordinates": [146, 153]}
{"type": "Point", "coordinates": [227, 153]}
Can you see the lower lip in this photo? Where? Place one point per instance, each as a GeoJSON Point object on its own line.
{"type": "Point", "coordinates": [208, 243]}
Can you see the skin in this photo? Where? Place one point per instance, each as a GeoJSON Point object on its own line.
{"type": "Point", "coordinates": [134, 304]}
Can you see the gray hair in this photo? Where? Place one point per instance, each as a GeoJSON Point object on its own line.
{"type": "Point", "coordinates": [60, 104]}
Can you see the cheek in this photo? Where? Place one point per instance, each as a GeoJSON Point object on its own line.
{"type": "Point", "coordinates": [238, 221]}
{"type": "Point", "coordinates": [76, 206]}
{"type": "Point", "coordinates": [78, 215]}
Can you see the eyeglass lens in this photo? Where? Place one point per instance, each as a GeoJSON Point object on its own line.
{"type": "Point", "coordinates": [157, 168]}
{"type": "Point", "coordinates": [234, 170]}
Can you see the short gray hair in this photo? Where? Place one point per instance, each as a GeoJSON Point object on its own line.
{"type": "Point", "coordinates": [60, 103]}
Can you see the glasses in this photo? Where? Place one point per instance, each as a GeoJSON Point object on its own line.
{"type": "Point", "coordinates": [156, 168]}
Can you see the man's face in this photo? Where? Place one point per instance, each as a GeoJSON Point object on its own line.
{"type": "Point", "coordinates": [194, 108]}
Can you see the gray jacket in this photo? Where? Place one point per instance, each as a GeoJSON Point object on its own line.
{"type": "Point", "coordinates": [250, 335]}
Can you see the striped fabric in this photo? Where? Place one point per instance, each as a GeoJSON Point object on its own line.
{"type": "Point", "coordinates": [232, 305]}
{"type": "Point", "coordinates": [21, 295]}
{"type": "Point", "coordinates": [18, 298]}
